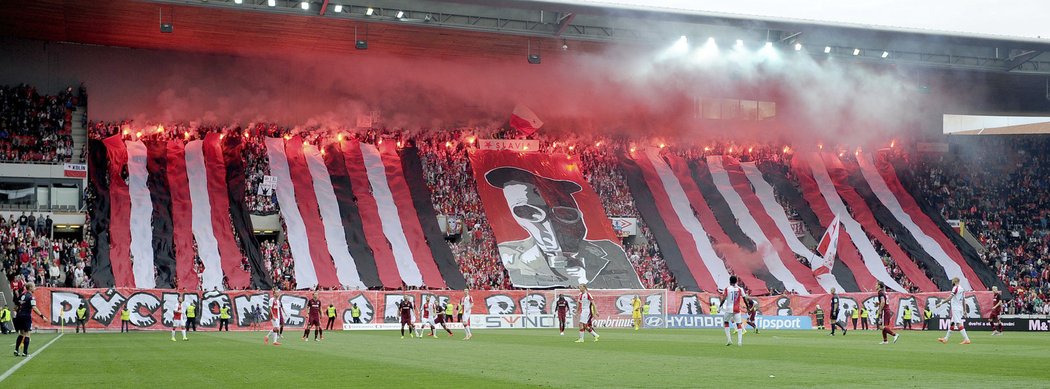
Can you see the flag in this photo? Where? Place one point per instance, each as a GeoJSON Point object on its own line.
{"type": "Point", "coordinates": [524, 120]}
{"type": "Point", "coordinates": [827, 247]}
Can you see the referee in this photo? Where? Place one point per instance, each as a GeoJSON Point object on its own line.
{"type": "Point", "coordinates": [24, 319]}
{"type": "Point", "coordinates": [835, 322]}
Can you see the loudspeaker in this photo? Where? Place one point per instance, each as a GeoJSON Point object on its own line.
{"type": "Point", "coordinates": [534, 59]}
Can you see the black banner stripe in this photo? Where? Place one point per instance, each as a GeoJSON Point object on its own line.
{"type": "Point", "coordinates": [984, 272]}
{"type": "Point", "coordinates": [163, 235]}
{"type": "Point", "coordinates": [787, 190]}
{"type": "Point", "coordinates": [720, 208]}
{"type": "Point", "coordinates": [101, 271]}
{"type": "Point", "coordinates": [901, 236]}
{"type": "Point", "coordinates": [232, 154]}
{"type": "Point", "coordinates": [643, 200]}
{"type": "Point", "coordinates": [417, 187]}
{"type": "Point", "coordinates": [351, 218]}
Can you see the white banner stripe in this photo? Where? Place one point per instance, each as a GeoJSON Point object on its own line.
{"type": "Point", "coordinates": [750, 227]}
{"type": "Point", "coordinates": [889, 200]}
{"type": "Point", "coordinates": [680, 203]}
{"type": "Point", "coordinates": [872, 260]}
{"type": "Point", "coordinates": [298, 242]}
{"type": "Point", "coordinates": [141, 216]}
{"type": "Point", "coordinates": [335, 235]}
{"type": "Point", "coordinates": [203, 233]}
{"type": "Point", "coordinates": [395, 233]}
{"type": "Point", "coordinates": [765, 195]}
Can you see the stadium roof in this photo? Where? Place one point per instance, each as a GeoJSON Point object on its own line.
{"type": "Point", "coordinates": [512, 27]}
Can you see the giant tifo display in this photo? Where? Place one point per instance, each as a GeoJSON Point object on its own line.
{"type": "Point", "coordinates": [358, 215]}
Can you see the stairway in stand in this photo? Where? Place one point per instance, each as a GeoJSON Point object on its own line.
{"type": "Point", "coordinates": [79, 132]}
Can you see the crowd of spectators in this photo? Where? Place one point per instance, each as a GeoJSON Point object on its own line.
{"type": "Point", "coordinates": [34, 127]}
{"type": "Point", "coordinates": [29, 254]}
{"type": "Point", "coordinates": [998, 188]}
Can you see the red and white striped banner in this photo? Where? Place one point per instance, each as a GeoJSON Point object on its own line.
{"type": "Point", "coordinates": [882, 179]}
{"type": "Point", "coordinates": [778, 259]}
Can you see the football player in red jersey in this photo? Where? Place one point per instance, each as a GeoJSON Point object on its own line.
{"type": "Point", "coordinates": [562, 307]}
{"type": "Point", "coordinates": [405, 307]}
{"type": "Point", "coordinates": [314, 306]}
{"type": "Point", "coordinates": [752, 314]}
{"type": "Point", "coordinates": [885, 316]}
{"type": "Point", "coordinates": [997, 309]}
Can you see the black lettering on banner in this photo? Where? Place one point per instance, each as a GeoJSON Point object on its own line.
{"type": "Point", "coordinates": [245, 303]}
{"type": "Point", "coordinates": [142, 306]}
{"type": "Point", "coordinates": [499, 304]}
{"type": "Point", "coordinates": [690, 305]}
{"type": "Point", "coordinates": [623, 304]}
{"type": "Point", "coordinates": [847, 305]}
{"type": "Point", "coordinates": [784, 306]}
{"type": "Point", "coordinates": [171, 300]}
{"type": "Point", "coordinates": [209, 309]}
{"type": "Point", "coordinates": [910, 302]}
{"type": "Point", "coordinates": [715, 300]}
{"type": "Point", "coordinates": [656, 304]}
{"type": "Point", "coordinates": [534, 303]}
{"type": "Point", "coordinates": [872, 305]}
{"type": "Point", "coordinates": [391, 313]}
{"type": "Point", "coordinates": [64, 307]}
{"type": "Point", "coordinates": [293, 307]}
{"type": "Point", "coordinates": [973, 307]}
{"type": "Point", "coordinates": [106, 306]}
{"type": "Point", "coordinates": [938, 312]}
{"type": "Point", "coordinates": [367, 310]}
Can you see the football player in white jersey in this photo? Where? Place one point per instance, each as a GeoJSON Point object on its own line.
{"type": "Point", "coordinates": [426, 312]}
{"type": "Point", "coordinates": [178, 319]}
{"type": "Point", "coordinates": [467, 303]}
{"type": "Point", "coordinates": [277, 319]}
{"type": "Point", "coordinates": [732, 306]}
{"type": "Point", "coordinates": [587, 313]}
{"type": "Point", "coordinates": [957, 307]}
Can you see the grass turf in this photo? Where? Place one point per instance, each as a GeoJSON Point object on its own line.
{"type": "Point", "coordinates": [533, 358]}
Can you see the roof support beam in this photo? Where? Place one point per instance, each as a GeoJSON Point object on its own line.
{"type": "Point", "coordinates": [1016, 61]}
{"type": "Point", "coordinates": [564, 23]}
{"type": "Point", "coordinates": [324, 7]}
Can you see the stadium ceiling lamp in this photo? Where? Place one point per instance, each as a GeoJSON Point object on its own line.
{"type": "Point", "coordinates": [305, 5]}
{"type": "Point", "coordinates": [769, 45]}
{"type": "Point", "coordinates": [338, 8]}
{"type": "Point", "coordinates": [885, 54]}
{"type": "Point", "coordinates": [798, 47]}
{"type": "Point", "coordinates": [238, 1]}
{"type": "Point", "coordinates": [359, 43]}
{"type": "Point", "coordinates": [856, 51]}
{"type": "Point", "coordinates": [400, 14]}
{"type": "Point", "coordinates": [370, 11]}
{"type": "Point", "coordinates": [272, 3]}
{"type": "Point", "coordinates": [739, 43]}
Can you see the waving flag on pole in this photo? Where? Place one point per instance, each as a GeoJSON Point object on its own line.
{"type": "Point", "coordinates": [524, 120]}
{"type": "Point", "coordinates": [829, 243]}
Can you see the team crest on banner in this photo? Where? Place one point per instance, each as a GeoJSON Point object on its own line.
{"type": "Point", "coordinates": [550, 226]}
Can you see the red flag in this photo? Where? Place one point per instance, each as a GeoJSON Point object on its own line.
{"type": "Point", "coordinates": [827, 247]}
{"type": "Point", "coordinates": [524, 120]}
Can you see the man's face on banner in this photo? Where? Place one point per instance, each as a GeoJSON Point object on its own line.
{"type": "Point", "coordinates": [549, 215]}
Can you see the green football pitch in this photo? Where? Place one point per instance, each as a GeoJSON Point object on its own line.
{"type": "Point", "coordinates": [529, 358]}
